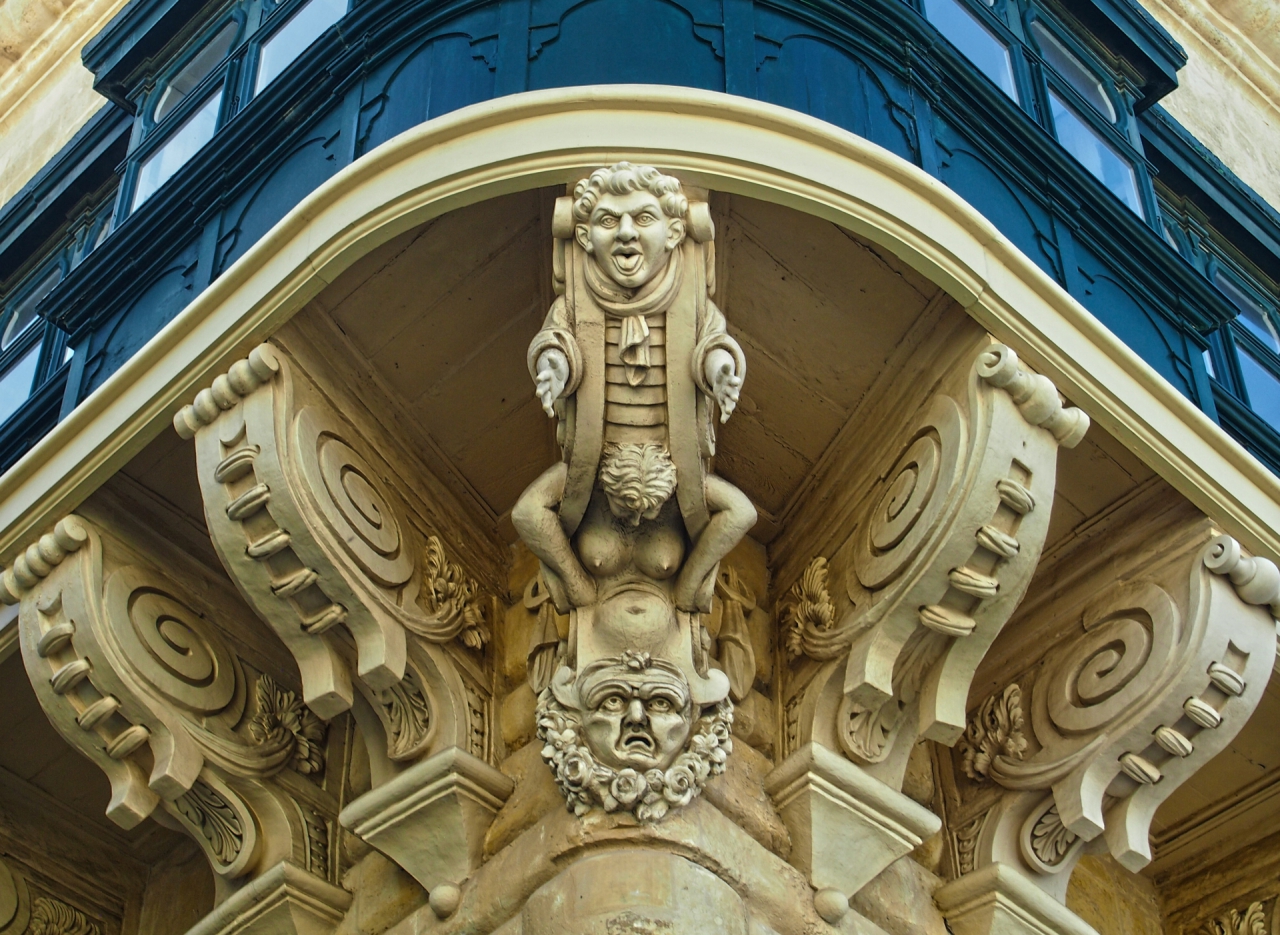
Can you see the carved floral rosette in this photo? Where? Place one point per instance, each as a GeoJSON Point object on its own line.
{"type": "Point", "coordinates": [132, 673]}
{"type": "Point", "coordinates": [1166, 668]}
{"type": "Point", "coordinates": [312, 535]}
{"type": "Point", "coordinates": [948, 543]}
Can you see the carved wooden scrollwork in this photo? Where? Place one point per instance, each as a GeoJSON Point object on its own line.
{"type": "Point", "coordinates": [133, 672]}
{"type": "Point", "coordinates": [310, 533]}
{"type": "Point", "coordinates": [1165, 670]}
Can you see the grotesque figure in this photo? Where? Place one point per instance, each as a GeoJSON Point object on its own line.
{"type": "Point", "coordinates": [635, 362]}
{"type": "Point", "coordinates": [625, 735]}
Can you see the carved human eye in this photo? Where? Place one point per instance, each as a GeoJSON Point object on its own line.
{"type": "Point", "coordinates": [660, 705]}
{"type": "Point", "coordinates": [645, 218]}
{"type": "Point", "coordinates": [608, 220]}
{"type": "Point", "coordinates": [613, 703]}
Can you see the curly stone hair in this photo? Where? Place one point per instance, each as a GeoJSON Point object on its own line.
{"type": "Point", "coordinates": [622, 178]}
{"type": "Point", "coordinates": [637, 480]}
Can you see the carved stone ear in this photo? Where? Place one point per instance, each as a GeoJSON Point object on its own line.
{"type": "Point", "coordinates": [131, 670]}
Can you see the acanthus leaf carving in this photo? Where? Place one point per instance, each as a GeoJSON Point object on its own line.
{"type": "Point", "coordinates": [810, 617]}
{"type": "Point", "coordinates": [53, 917]}
{"type": "Point", "coordinates": [996, 729]}
{"type": "Point", "coordinates": [283, 720]}
{"type": "Point", "coordinates": [1252, 921]}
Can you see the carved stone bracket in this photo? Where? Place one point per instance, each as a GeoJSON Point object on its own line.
{"type": "Point", "coordinates": [283, 901]}
{"type": "Point", "coordinates": [998, 900]}
{"type": "Point", "coordinates": [845, 826]}
{"type": "Point", "coordinates": [1168, 664]}
{"type": "Point", "coordinates": [312, 536]}
{"type": "Point", "coordinates": [951, 537]}
{"type": "Point", "coordinates": [133, 674]}
{"type": "Point", "coordinates": [432, 818]}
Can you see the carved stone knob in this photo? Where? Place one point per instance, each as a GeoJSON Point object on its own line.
{"type": "Point", "coordinates": [831, 905]}
{"type": "Point", "coordinates": [444, 900]}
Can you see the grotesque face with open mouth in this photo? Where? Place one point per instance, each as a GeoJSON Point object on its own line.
{"type": "Point", "coordinates": [630, 237]}
{"type": "Point", "coordinates": [637, 717]}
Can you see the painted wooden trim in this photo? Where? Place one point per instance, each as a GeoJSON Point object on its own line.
{"type": "Point", "coordinates": [719, 141]}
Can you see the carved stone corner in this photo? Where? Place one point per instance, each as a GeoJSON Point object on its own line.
{"type": "Point", "coordinates": [286, 900]}
{"type": "Point", "coordinates": [845, 826]}
{"type": "Point", "coordinates": [999, 900]}
{"type": "Point", "coordinates": [432, 818]}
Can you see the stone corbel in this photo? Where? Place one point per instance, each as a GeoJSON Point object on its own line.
{"type": "Point", "coordinates": [845, 826]}
{"type": "Point", "coordinates": [950, 539]}
{"type": "Point", "coordinates": [1166, 669]}
{"type": "Point", "coordinates": [310, 534]}
{"type": "Point", "coordinates": [129, 669]}
{"type": "Point", "coordinates": [432, 818]}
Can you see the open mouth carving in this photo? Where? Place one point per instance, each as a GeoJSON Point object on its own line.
{"type": "Point", "coordinates": [627, 259]}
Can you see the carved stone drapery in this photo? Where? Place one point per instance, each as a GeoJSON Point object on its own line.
{"type": "Point", "coordinates": [133, 673]}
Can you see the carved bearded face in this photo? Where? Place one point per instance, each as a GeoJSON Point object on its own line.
{"type": "Point", "coordinates": [636, 718]}
{"type": "Point", "coordinates": [630, 237]}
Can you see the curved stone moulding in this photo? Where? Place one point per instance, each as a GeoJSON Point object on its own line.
{"type": "Point", "coordinates": [1166, 671]}
{"type": "Point", "coordinates": [951, 543]}
{"type": "Point", "coordinates": [132, 674]}
{"type": "Point", "coordinates": [310, 534]}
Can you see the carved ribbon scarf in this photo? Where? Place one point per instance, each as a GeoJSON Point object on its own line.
{"type": "Point", "coordinates": [632, 306]}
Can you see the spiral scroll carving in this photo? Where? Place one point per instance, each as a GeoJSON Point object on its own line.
{"type": "Point", "coordinates": [353, 502]}
{"type": "Point", "coordinates": [172, 647]}
{"type": "Point", "coordinates": [912, 496]}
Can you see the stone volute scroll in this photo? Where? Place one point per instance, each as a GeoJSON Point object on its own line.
{"type": "Point", "coordinates": [635, 363]}
{"type": "Point", "coordinates": [1165, 667]}
{"type": "Point", "coordinates": [945, 542]}
{"type": "Point", "coordinates": [131, 670]}
{"type": "Point", "coordinates": [312, 535]}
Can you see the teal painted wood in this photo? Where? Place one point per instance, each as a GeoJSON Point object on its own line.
{"type": "Point", "coordinates": [876, 68]}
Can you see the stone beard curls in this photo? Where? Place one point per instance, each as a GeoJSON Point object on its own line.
{"type": "Point", "coordinates": [623, 178]}
{"type": "Point", "coordinates": [637, 479]}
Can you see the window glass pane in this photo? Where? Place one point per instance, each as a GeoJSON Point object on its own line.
{"type": "Point", "coordinates": [1074, 71]}
{"type": "Point", "coordinates": [196, 70]}
{"type": "Point", "coordinates": [1252, 315]}
{"type": "Point", "coordinates": [1263, 389]}
{"type": "Point", "coordinates": [24, 311]}
{"type": "Point", "coordinates": [291, 39]}
{"type": "Point", "coordinates": [1095, 153]}
{"type": "Point", "coordinates": [175, 151]}
{"type": "Point", "coordinates": [1208, 364]}
{"type": "Point", "coordinates": [978, 43]}
{"type": "Point", "coordinates": [15, 384]}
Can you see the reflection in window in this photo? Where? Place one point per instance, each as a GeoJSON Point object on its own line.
{"type": "Point", "coordinates": [15, 384]}
{"type": "Point", "coordinates": [1208, 364]}
{"type": "Point", "coordinates": [196, 70]}
{"type": "Point", "coordinates": [1095, 153]}
{"type": "Point", "coordinates": [1263, 388]}
{"type": "Point", "coordinates": [291, 39]}
{"type": "Point", "coordinates": [979, 44]}
{"type": "Point", "coordinates": [24, 311]}
{"type": "Point", "coordinates": [174, 152]}
{"type": "Point", "coordinates": [1073, 71]}
{"type": "Point", "coordinates": [1252, 315]}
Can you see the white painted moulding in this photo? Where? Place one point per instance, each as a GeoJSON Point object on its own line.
{"type": "Point", "coordinates": [432, 818]}
{"type": "Point", "coordinates": [846, 827]}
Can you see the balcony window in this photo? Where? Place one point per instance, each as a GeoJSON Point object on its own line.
{"type": "Point", "coordinates": [1073, 71]}
{"type": "Point", "coordinates": [975, 41]}
{"type": "Point", "coordinates": [1093, 152]}
{"type": "Point", "coordinates": [291, 40]}
{"type": "Point", "coordinates": [196, 70]}
{"type": "Point", "coordinates": [22, 314]}
{"type": "Point", "coordinates": [178, 149]}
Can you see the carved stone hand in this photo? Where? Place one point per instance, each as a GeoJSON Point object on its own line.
{"type": "Point", "coordinates": [553, 374]}
{"type": "Point", "coordinates": [724, 381]}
